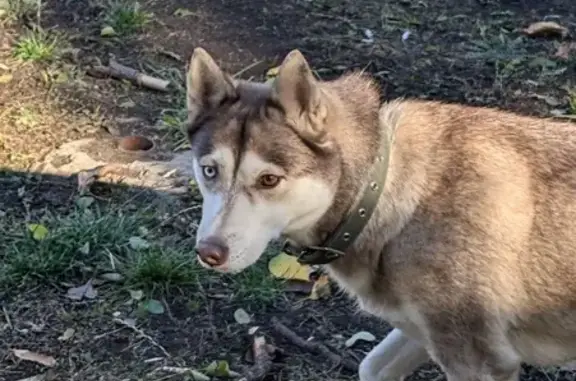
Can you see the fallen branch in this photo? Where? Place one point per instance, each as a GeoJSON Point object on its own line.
{"type": "Point", "coordinates": [118, 71]}
{"type": "Point", "coordinates": [310, 346]}
{"type": "Point", "coordinates": [262, 355]}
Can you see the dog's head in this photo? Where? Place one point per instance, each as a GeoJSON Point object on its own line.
{"type": "Point", "coordinates": [263, 159]}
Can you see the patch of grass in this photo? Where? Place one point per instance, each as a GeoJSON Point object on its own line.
{"type": "Point", "coordinates": [161, 268]}
{"type": "Point", "coordinates": [87, 243]}
{"type": "Point", "coordinates": [36, 46]}
{"type": "Point", "coordinates": [126, 17]}
{"type": "Point", "coordinates": [256, 282]}
{"type": "Point", "coordinates": [26, 117]}
{"type": "Point", "coordinates": [572, 102]}
{"type": "Point", "coordinates": [14, 10]}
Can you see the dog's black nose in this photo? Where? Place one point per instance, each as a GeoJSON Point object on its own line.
{"type": "Point", "coordinates": [212, 251]}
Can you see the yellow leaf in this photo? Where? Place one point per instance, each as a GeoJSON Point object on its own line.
{"type": "Point", "coordinates": [321, 288]}
{"type": "Point", "coordinates": [287, 267]}
{"type": "Point", "coordinates": [107, 31]}
{"type": "Point", "coordinates": [183, 12]}
{"type": "Point", "coordinates": [272, 73]}
{"type": "Point", "coordinates": [39, 231]}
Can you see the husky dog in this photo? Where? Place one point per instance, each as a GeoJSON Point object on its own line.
{"type": "Point", "coordinates": [455, 224]}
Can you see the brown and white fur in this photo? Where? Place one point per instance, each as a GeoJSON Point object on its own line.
{"type": "Point", "coordinates": [471, 252]}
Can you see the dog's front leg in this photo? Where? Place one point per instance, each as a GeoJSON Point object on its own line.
{"type": "Point", "coordinates": [394, 358]}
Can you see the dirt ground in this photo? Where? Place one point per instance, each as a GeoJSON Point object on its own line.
{"type": "Point", "coordinates": [470, 51]}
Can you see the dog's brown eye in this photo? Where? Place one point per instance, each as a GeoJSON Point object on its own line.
{"type": "Point", "coordinates": [268, 181]}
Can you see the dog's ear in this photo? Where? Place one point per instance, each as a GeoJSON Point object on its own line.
{"type": "Point", "coordinates": [207, 86]}
{"type": "Point", "coordinates": [297, 91]}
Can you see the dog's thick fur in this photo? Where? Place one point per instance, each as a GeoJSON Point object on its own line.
{"type": "Point", "coordinates": [471, 253]}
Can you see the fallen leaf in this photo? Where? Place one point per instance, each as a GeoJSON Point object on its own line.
{"type": "Point", "coordinates": [35, 327]}
{"type": "Point", "coordinates": [154, 307]}
{"type": "Point", "coordinates": [25, 354]}
{"type": "Point", "coordinates": [39, 231]}
{"type": "Point", "coordinates": [183, 12]}
{"type": "Point", "coordinates": [67, 335]}
{"type": "Point", "coordinates": [112, 277]}
{"type": "Point", "coordinates": [241, 316]}
{"type": "Point", "coordinates": [85, 249]}
{"type": "Point", "coordinates": [253, 330]}
{"type": "Point", "coordinates": [127, 104]}
{"type": "Point", "coordinates": [5, 78]}
{"type": "Point", "coordinates": [128, 322]}
{"type": "Point", "coordinates": [136, 294]}
{"type": "Point", "coordinates": [84, 291]}
{"type": "Point", "coordinates": [220, 369]}
{"type": "Point", "coordinates": [558, 112]}
{"type": "Point", "coordinates": [196, 375]}
{"type": "Point", "coordinates": [107, 31]}
{"type": "Point", "coordinates": [551, 101]}
{"type": "Point", "coordinates": [362, 335]}
{"type": "Point", "coordinates": [84, 202]}
{"type": "Point", "coordinates": [86, 179]}
{"type": "Point", "coordinates": [273, 72]}
{"type": "Point", "coordinates": [321, 288]}
{"type": "Point", "coordinates": [287, 267]}
{"type": "Point", "coordinates": [138, 243]}
{"type": "Point", "coordinates": [545, 28]}
{"type": "Point", "coordinates": [565, 49]}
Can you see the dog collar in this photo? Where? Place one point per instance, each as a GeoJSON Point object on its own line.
{"type": "Point", "coordinates": [349, 229]}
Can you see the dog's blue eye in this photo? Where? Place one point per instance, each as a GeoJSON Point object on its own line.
{"type": "Point", "coordinates": [209, 172]}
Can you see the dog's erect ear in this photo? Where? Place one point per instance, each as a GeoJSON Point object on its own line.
{"type": "Point", "coordinates": [207, 86]}
{"type": "Point", "coordinates": [297, 91]}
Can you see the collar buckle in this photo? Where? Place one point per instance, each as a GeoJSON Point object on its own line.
{"type": "Point", "coordinates": [313, 255]}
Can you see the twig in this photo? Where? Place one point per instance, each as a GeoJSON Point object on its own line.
{"type": "Point", "coordinates": [118, 71]}
{"type": "Point", "coordinates": [313, 347]}
{"type": "Point", "coordinates": [142, 334]}
{"type": "Point", "coordinates": [7, 317]}
{"type": "Point", "coordinates": [262, 360]}
{"type": "Point", "coordinates": [247, 68]}
{"type": "Point", "coordinates": [335, 17]}
{"type": "Point", "coordinates": [171, 218]}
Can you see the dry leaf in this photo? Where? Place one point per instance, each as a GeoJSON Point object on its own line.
{"type": "Point", "coordinates": [546, 28]}
{"type": "Point", "coordinates": [80, 292]}
{"type": "Point", "coordinates": [273, 72]}
{"type": "Point", "coordinates": [5, 78]}
{"type": "Point", "coordinates": [87, 178]}
{"type": "Point", "coordinates": [25, 354]}
{"type": "Point", "coordinates": [241, 316]}
{"type": "Point", "coordinates": [551, 101]}
{"type": "Point", "coordinates": [287, 267]}
{"type": "Point", "coordinates": [138, 243]}
{"type": "Point", "coordinates": [112, 277]}
{"type": "Point", "coordinates": [565, 50]}
{"type": "Point", "coordinates": [362, 335]}
{"type": "Point", "coordinates": [321, 288]}
{"type": "Point", "coordinates": [67, 335]}
{"type": "Point", "coordinates": [107, 31]}
{"type": "Point", "coordinates": [196, 375]}
{"type": "Point", "coordinates": [136, 294]}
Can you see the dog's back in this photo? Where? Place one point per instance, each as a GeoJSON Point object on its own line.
{"type": "Point", "coordinates": [486, 246]}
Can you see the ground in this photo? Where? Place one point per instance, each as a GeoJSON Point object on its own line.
{"type": "Point", "coordinates": [153, 306]}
